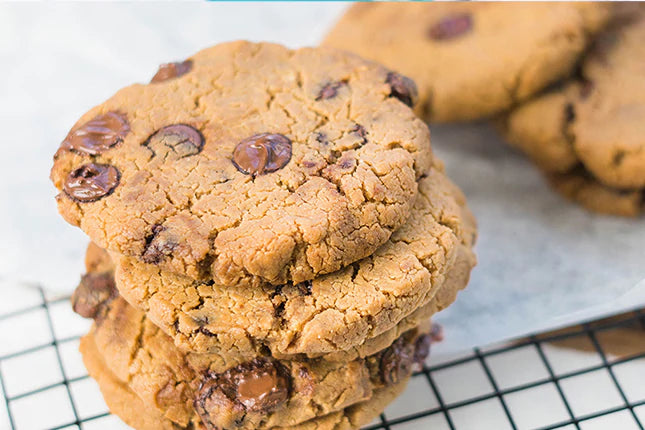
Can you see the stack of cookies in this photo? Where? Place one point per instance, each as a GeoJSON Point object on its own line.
{"type": "Point", "coordinates": [588, 134]}
{"type": "Point", "coordinates": [271, 235]}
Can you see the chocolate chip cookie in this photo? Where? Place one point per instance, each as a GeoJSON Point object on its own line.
{"type": "Point", "coordinates": [248, 163]}
{"type": "Point", "coordinates": [192, 389]}
{"type": "Point", "coordinates": [589, 134]}
{"type": "Point", "coordinates": [430, 254]}
{"type": "Point", "coordinates": [97, 289]}
{"type": "Point", "coordinates": [471, 59]}
{"type": "Point", "coordinates": [123, 402]}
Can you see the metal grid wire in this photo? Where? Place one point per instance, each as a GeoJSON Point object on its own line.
{"type": "Point", "coordinates": [444, 410]}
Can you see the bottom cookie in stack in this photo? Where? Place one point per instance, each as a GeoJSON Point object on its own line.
{"type": "Point", "coordinates": [123, 402]}
{"type": "Point", "coordinates": [150, 384]}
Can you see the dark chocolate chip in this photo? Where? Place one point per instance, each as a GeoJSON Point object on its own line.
{"type": "Point", "coordinates": [346, 163]}
{"type": "Point", "coordinates": [586, 88]}
{"type": "Point", "coordinates": [451, 26]}
{"type": "Point", "coordinates": [569, 113]}
{"type": "Point", "coordinates": [257, 386]}
{"type": "Point", "coordinates": [436, 333]}
{"type": "Point", "coordinates": [159, 244]}
{"type": "Point", "coordinates": [603, 45]}
{"type": "Point", "coordinates": [330, 90]}
{"type": "Point", "coordinates": [322, 138]}
{"type": "Point", "coordinates": [172, 70]}
{"type": "Point", "coordinates": [262, 153]}
{"type": "Point", "coordinates": [403, 88]}
{"type": "Point", "coordinates": [93, 293]}
{"type": "Point", "coordinates": [91, 181]}
{"type": "Point", "coordinates": [206, 332]}
{"type": "Point", "coordinates": [305, 288]}
{"type": "Point", "coordinates": [422, 348]}
{"type": "Point", "coordinates": [278, 309]}
{"type": "Point", "coordinates": [397, 361]}
{"type": "Point", "coordinates": [360, 131]}
{"type": "Point", "coordinates": [98, 134]}
{"type": "Point", "coordinates": [183, 140]}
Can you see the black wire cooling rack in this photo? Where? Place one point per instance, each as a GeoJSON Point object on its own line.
{"type": "Point", "coordinates": [58, 394]}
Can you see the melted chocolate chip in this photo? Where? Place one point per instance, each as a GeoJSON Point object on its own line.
{"type": "Point", "coordinates": [93, 293]}
{"type": "Point", "coordinates": [569, 113]}
{"type": "Point", "coordinates": [422, 348]}
{"type": "Point", "coordinates": [603, 45]}
{"type": "Point", "coordinates": [397, 361]}
{"type": "Point", "coordinates": [403, 88]}
{"type": "Point", "coordinates": [305, 288]}
{"type": "Point", "coordinates": [330, 90]}
{"type": "Point", "coordinates": [361, 132]}
{"type": "Point", "coordinates": [91, 182]}
{"type": "Point", "coordinates": [98, 134]}
{"type": "Point", "coordinates": [257, 386]}
{"type": "Point", "coordinates": [322, 138]}
{"type": "Point", "coordinates": [172, 70]}
{"type": "Point", "coordinates": [159, 244]}
{"type": "Point", "coordinates": [436, 333]}
{"type": "Point", "coordinates": [451, 26]}
{"type": "Point", "coordinates": [179, 139]}
{"type": "Point", "coordinates": [586, 88]}
{"type": "Point", "coordinates": [262, 153]}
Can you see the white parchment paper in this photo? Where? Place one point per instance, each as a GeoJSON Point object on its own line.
{"type": "Point", "coordinates": [542, 261]}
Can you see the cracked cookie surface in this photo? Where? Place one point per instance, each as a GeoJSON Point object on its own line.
{"type": "Point", "coordinates": [197, 389]}
{"type": "Point", "coordinates": [471, 60]}
{"type": "Point", "coordinates": [247, 164]}
{"type": "Point", "coordinates": [123, 402]}
{"type": "Point", "coordinates": [589, 135]}
{"type": "Point", "coordinates": [417, 272]}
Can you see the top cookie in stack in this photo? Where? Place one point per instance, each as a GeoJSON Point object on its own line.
{"type": "Point", "coordinates": [248, 163]}
{"type": "Point", "coordinates": [265, 211]}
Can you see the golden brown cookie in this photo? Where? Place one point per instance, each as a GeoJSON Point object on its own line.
{"type": "Point", "coordinates": [589, 135]}
{"type": "Point", "coordinates": [471, 59]}
{"type": "Point", "coordinates": [123, 402]}
{"type": "Point", "coordinates": [189, 389]}
{"type": "Point", "coordinates": [97, 288]}
{"type": "Point", "coordinates": [246, 163]}
{"type": "Point", "coordinates": [431, 253]}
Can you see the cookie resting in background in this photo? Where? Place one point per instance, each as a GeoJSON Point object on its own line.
{"type": "Point", "coordinates": [588, 135]}
{"type": "Point", "coordinates": [471, 59]}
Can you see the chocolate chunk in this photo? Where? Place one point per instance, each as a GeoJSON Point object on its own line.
{"type": "Point", "coordinates": [98, 134]}
{"type": "Point", "coordinates": [403, 88]}
{"type": "Point", "coordinates": [451, 26]}
{"type": "Point", "coordinates": [322, 138]}
{"type": "Point", "coordinates": [569, 113]}
{"type": "Point", "coordinates": [257, 386]}
{"type": "Point", "coordinates": [91, 181]}
{"type": "Point", "coordinates": [422, 348]}
{"type": "Point", "coordinates": [262, 153]}
{"type": "Point", "coordinates": [602, 46]}
{"type": "Point", "coordinates": [330, 90]}
{"type": "Point", "coordinates": [93, 293]}
{"type": "Point", "coordinates": [305, 288]}
{"type": "Point", "coordinates": [172, 70]}
{"type": "Point", "coordinates": [159, 244]}
{"type": "Point", "coordinates": [361, 132]}
{"type": "Point", "coordinates": [586, 88]}
{"type": "Point", "coordinates": [397, 361]}
{"type": "Point", "coordinates": [436, 333]}
{"type": "Point", "coordinates": [180, 139]}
